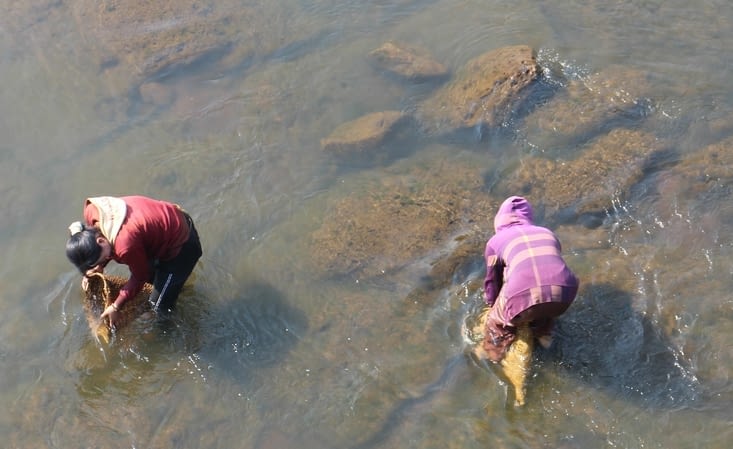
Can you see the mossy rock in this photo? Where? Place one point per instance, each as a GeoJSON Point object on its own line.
{"type": "Point", "coordinates": [615, 96]}
{"type": "Point", "coordinates": [709, 165]}
{"type": "Point", "coordinates": [482, 93]}
{"type": "Point", "coordinates": [407, 62]}
{"type": "Point", "coordinates": [365, 133]}
{"type": "Point", "coordinates": [398, 219]}
{"type": "Point", "coordinates": [604, 172]}
{"type": "Point", "coordinates": [149, 38]}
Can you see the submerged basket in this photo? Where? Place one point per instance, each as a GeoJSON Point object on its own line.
{"type": "Point", "coordinates": [101, 291]}
{"type": "Point", "coordinates": [517, 362]}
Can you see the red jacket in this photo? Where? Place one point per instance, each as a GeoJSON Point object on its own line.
{"type": "Point", "coordinates": [152, 230]}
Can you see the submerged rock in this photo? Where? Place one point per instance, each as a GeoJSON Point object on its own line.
{"type": "Point", "coordinates": [605, 171]}
{"type": "Point", "coordinates": [708, 166]}
{"type": "Point", "coordinates": [482, 93]}
{"type": "Point", "coordinates": [364, 133]}
{"type": "Point", "coordinates": [615, 96]}
{"type": "Point", "coordinates": [150, 39]}
{"type": "Point", "coordinates": [408, 62]}
{"type": "Point", "coordinates": [397, 220]}
{"type": "Point", "coordinates": [704, 173]}
{"type": "Point", "coordinates": [138, 42]}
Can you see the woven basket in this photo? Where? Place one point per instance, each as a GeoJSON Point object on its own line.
{"type": "Point", "coordinates": [102, 290]}
{"type": "Point", "coordinates": [517, 363]}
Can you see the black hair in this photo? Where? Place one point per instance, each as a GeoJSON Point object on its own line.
{"type": "Point", "coordinates": [82, 248]}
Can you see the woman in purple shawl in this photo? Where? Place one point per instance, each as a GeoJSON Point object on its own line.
{"type": "Point", "coordinates": [527, 279]}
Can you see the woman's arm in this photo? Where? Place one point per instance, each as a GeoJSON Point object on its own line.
{"type": "Point", "coordinates": [494, 275]}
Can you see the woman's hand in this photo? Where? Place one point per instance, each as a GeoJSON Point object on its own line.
{"type": "Point", "coordinates": [497, 340]}
{"type": "Point", "coordinates": [90, 272]}
{"type": "Point", "coordinates": [111, 312]}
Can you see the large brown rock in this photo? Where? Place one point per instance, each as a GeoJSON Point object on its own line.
{"type": "Point", "coordinates": [408, 62]}
{"type": "Point", "coordinates": [481, 93]}
{"type": "Point", "coordinates": [605, 171]}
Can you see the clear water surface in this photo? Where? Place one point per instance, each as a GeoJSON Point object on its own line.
{"type": "Point", "coordinates": [265, 355]}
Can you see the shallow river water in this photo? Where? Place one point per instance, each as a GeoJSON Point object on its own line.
{"type": "Point", "coordinates": [265, 354]}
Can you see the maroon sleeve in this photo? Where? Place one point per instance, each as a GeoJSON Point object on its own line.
{"type": "Point", "coordinates": [134, 256]}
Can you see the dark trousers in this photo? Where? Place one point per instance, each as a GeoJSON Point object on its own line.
{"type": "Point", "coordinates": [542, 316]}
{"type": "Point", "coordinates": [170, 275]}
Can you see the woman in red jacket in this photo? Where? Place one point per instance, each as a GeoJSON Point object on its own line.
{"type": "Point", "coordinates": [157, 240]}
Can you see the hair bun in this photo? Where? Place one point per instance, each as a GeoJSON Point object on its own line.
{"type": "Point", "coordinates": [76, 227]}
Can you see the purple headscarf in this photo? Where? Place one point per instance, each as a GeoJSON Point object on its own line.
{"type": "Point", "coordinates": [514, 210]}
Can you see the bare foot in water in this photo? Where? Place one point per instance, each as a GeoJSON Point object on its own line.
{"type": "Point", "coordinates": [545, 340]}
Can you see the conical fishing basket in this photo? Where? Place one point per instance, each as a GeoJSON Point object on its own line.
{"type": "Point", "coordinates": [517, 363]}
{"type": "Point", "coordinates": [101, 291]}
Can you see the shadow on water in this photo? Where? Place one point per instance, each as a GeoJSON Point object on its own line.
{"type": "Point", "coordinates": [603, 341]}
{"type": "Point", "coordinates": [251, 332]}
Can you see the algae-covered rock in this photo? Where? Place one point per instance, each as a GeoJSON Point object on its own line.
{"type": "Point", "coordinates": [147, 39]}
{"type": "Point", "coordinates": [408, 62]}
{"type": "Point", "coordinates": [364, 133]}
{"type": "Point", "coordinates": [482, 92]}
{"type": "Point", "coordinates": [616, 95]}
{"type": "Point", "coordinates": [703, 173]}
{"type": "Point", "coordinates": [709, 165]}
{"type": "Point", "coordinates": [397, 219]}
{"type": "Point", "coordinates": [605, 171]}
{"type": "Point", "coordinates": [469, 248]}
